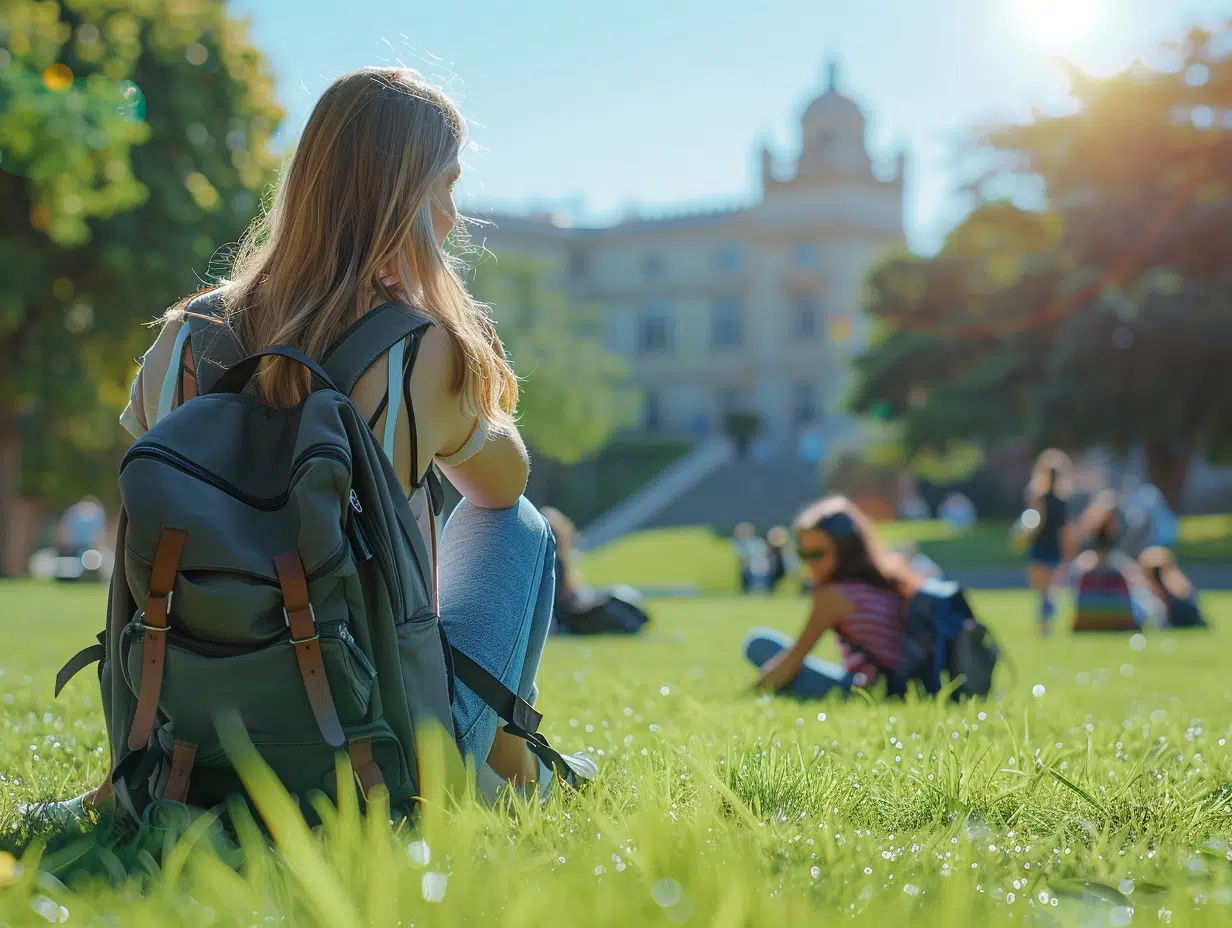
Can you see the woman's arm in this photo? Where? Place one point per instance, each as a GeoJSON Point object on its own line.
{"type": "Point", "coordinates": [829, 606]}
{"type": "Point", "coordinates": [494, 476]}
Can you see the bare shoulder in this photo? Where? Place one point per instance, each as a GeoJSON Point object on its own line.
{"type": "Point", "coordinates": [433, 376]}
{"type": "Point", "coordinates": [830, 601]}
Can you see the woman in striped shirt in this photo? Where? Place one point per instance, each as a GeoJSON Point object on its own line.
{"type": "Point", "coordinates": [858, 591]}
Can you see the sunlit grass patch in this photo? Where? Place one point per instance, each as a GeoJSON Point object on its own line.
{"type": "Point", "coordinates": [1105, 799]}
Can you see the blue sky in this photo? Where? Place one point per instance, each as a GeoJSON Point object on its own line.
{"type": "Point", "coordinates": [601, 106]}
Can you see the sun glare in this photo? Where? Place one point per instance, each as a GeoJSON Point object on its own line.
{"type": "Point", "coordinates": [1058, 22]}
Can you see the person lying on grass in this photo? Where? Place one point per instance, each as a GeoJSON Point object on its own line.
{"type": "Point", "coordinates": [858, 591]}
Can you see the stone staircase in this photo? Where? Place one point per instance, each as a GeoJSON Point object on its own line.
{"type": "Point", "coordinates": [644, 506]}
{"type": "Point", "coordinates": [765, 492]}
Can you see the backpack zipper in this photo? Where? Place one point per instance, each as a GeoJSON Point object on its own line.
{"type": "Point", "coordinates": [178, 461]}
{"type": "Point", "coordinates": [367, 551]}
{"type": "Point", "coordinates": [358, 535]}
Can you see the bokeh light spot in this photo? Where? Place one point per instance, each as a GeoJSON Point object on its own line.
{"type": "Point", "coordinates": [57, 77]}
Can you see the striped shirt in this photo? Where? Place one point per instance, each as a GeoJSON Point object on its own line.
{"type": "Point", "coordinates": [871, 633]}
{"type": "Point", "coordinates": [1104, 601]}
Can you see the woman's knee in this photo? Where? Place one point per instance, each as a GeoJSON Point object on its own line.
{"type": "Point", "coordinates": [520, 523]}
{"type": "Point", "coordinates": [761, 644]}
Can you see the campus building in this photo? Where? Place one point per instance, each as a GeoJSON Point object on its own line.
{"type": "Point", "coordinates": [752, 309]}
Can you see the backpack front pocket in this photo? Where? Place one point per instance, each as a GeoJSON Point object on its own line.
{"type": "Point", "coordinates": [203, 679]}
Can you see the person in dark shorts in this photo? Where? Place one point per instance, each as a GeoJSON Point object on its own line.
{"type": "Point", "coordinates": [1048, 518]}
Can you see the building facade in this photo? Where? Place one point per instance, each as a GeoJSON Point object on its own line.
{"type": "Point", "coordinates": [751, 309]}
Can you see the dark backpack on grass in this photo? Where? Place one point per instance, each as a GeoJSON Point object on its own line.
{"type": "Point", "coordinates": [943, 641]}
{"type": "Point", "coordinates": [269, 569]}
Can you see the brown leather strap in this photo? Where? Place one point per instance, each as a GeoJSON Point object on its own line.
{"type": "Point", "coordinates": [183, 753]}
{"type": "Point", "coordinates": [154, 646]}
{"type": "Point", "coordinates": [365, 766]}
{"type": "Point", "coordinates": [303, 625]}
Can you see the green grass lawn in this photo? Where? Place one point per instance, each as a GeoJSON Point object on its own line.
{"type": "Point", "coordinates": [697, 556]}
{"type": "Point", "coordinates": [1095, 789]}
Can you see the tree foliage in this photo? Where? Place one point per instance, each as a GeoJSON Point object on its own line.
{"type": "Point", "coordinates": [134, 141]}
{"type": "Point", "coordinates": [574, 393]}
{"type": "Point", "coordinates": [1104, 318]}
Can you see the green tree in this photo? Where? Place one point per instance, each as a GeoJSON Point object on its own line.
{"type": "Point", "coordinates": [574, 393]}
{"type": "Point", "coordinates": [1104, 319]}
{"type": "Point", "coordinates": [134, 141]}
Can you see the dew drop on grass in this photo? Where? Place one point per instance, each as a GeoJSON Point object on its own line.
{"type": "Point", "coordinates": [1038, 690]}
{"type": "Point", "coordinates": [666, 892]}
{"type": "Point", "coordinates": [420, 853]}
{"type": "Point", "coordinates": [433, 886]}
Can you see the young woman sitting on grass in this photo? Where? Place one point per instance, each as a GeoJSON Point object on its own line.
{"type": "Point", "coordinates": [359, 221]}
{"type": "Point", "coordinates": [1105, 578]}
{"type": "Point", "coordinates": [858, 591]}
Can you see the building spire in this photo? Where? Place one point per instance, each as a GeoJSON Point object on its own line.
{"type": "Point", "coordinates": [832, 74]}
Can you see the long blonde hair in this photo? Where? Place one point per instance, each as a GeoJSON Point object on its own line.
{"type": "Point", "coordinates": [356, 201]}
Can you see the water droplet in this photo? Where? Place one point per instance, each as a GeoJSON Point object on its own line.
{"type": "Point", "coordinates": [433, 886]}
{"type": "Point", "coordinates": [665, 690]}
{"type": "Point", "coordinates": [420, 853]}
{"type": "Point", "coordinates": [666, 892]}
{"type": "Point", "coordinates": [815, 873]}
{"type": "Point", "coordinates": [1038, 690]}
{"type": "Point", "coordinates": [1137, 642]}
{"type": "Point", "coordinates": [1121, 916]}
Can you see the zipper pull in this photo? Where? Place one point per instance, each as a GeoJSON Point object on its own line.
{"type": "Point", "coordinates": [355, 504]}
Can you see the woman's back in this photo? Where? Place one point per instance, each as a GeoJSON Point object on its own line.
{"type": "Point", "coordinates": [871, 633]}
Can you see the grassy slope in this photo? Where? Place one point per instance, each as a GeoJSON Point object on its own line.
{"type": "Point", "coordinates": [666, 557]}
{"type": "Point", "coordinates": [719, 807]}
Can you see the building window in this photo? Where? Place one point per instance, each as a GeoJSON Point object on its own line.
{"type": "Point", "coordinates": [652, 264]}
{"type": "Point", "coordinates": [577, 263]}
{"type": "Point", "coordinates": [654, 331]}
{"type": "Point", "coordinates": [804, 317]}
{"type": "Point", "coordinates": [727, 323]}
{"type": "Point", "coordinates": [804, 404]}
{"type": "Point", "coordinates": [652, 411]}
{"type": "Point", "coordinates": [727, 257]}
{"type": "Point", "coordinates": [804, 254]}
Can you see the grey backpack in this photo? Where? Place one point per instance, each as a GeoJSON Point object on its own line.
{"type": "Point", "coordinates": [269, 568]}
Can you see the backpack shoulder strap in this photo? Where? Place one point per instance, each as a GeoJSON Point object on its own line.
{"type": "Point", "coordinates": [369, 338]}
{"type": "Point", "coordinates": [215, 345]}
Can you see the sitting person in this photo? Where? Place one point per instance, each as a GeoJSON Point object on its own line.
{"type": "Point", "coordinates": [580, 609]}
{"type": "Point", "coordinates": [1104, 577]}
{"type": "Point", "coordinates": [754, 557]}
{"type": "Point", "coordinates": [782, 558]}
{"type": "Point", "coordinates": [1171, 588]}
{"type": "Point", "coordinates": [857, 591]}
{"type": "Point", "coordinates": [566, 535]}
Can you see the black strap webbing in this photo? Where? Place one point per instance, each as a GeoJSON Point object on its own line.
{"type": "Point", "coordinates": [521, 717]}
{"type": "Point", "coordinates": [369, 338]}
{"type": "Point", "coordinates": [79, 662]}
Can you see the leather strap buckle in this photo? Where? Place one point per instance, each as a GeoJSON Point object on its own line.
{"type": "Point", "coordinates": [286, 617]}
{"type": "Point", "coordinates": [153, 599]}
